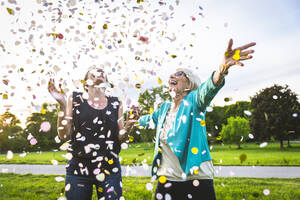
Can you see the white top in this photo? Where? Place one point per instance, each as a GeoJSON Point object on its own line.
{"type": "Point", "coordinates": [170, 166]}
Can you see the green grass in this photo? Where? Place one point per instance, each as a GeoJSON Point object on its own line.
{"type": "Point", "coordinates": [271, 155]}
{"type": "Point", "coordinates": [31, 187]}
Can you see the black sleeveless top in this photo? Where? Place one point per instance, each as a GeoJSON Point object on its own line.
{"type": "Point", "coordinates": [94, 138]}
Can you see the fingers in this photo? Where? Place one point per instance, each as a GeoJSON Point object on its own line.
{"type": "Point", "coordinates": [246, 46]}
{"type": "Point", "coordinates": [245, 53]}
{"type": "Point", "coordinates": [246, 57]}
{"type": "Point", "coordinates": [239, 63]}
{"type": "Point", "coordinates": [229, 47]}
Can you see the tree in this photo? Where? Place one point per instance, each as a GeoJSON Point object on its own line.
{"type": "Point", "coordinates": [240, 109]}
{"type": "Point", "coordinates": [236, 130]}
{"type": "Point", "coordinates": [214, 121]}
{"type": "Point", "coordinates": [45, 139]}
{"type": "Point", "coordinates": [149, 101]}
{"type": "Point", "coordinates": [10, 131]}
{"type": "Point", "coordinates": [274, 113]}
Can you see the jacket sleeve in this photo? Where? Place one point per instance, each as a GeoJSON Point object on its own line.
{"type": "Point", "coordinates": [206, 92]}
{"type": "Point", "coordinates": [145, 120]}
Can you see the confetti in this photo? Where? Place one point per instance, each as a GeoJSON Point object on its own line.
{"type": "Point", "coordinates": [9, 155]}
{"type": "Point", "coordinates": [196, 183]}
{"type": "Point", "coordinates": [275, 97]}
{"type": "Point", "coordinates": [202, 123]}
{"type": "Point", "coordinates": [173, 56]}
{"type": "Point", "coordinates": [159, 81]}
{"type": "Point", "coordinates": [33, 141]}
{"type": "Point", "coordinates": [149, 186]}
{"type": "Point", "coordinates": [295, 115]}
{"type": "Point", "coordinates": [209, 109]}
{"type": "Point", "coordinates": [266, 192]}
{"type": "Point", "coordinates": [100, 177]}
{"type": "Point", "coordinates": [68, 187]}
{"type": "Point", "coordinates": [104, 26]}
{"type": "Point", "coordinates": [219, 138]}
{"type": "Point", "coordinates": [264, 144]}
{"type": "Point", "coordinates": [236, 55]}
{"type": "Point", "coordinates": [45, 126]}
{"type": "Point", "coordinates": [59, 179]}
{"type": "Point", "coordinates": [194, 150]}
{"type": "Point", "coordinates": [162, 179]}
{"type": "Point", "coordinates": [10, 11]}
{"type": "Point", "coordinates": [247, 112]}
{"type": "Point", "coordinates": [251, 136]}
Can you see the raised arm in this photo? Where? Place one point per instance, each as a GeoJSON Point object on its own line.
{"type": "Point", "coordinates": [208, 90]}
{"type": "Point", "coordinates": [232, 57]}
{"type": "Point", "coordinates": [64, 120]}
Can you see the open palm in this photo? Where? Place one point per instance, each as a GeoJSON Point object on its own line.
{"type": "Point", "coordinates": [59, 96]}
{"type": "Point", "coordinates": [235, 56]}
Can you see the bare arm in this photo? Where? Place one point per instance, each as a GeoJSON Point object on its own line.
{"type": "Point", "coordinates": [64, 120]}
{"type": "Point", "coordinates": [124, 127]}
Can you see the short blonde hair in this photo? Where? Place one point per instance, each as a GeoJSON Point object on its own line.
{"type": "Point", "coordinates": [192, 77]}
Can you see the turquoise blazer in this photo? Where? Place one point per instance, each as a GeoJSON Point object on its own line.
{"type": "Point", "coordinates": [187, 138]}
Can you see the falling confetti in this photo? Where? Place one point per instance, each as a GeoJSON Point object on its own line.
{"type": "Point", "coordinates": [149, 186]}
{"type": "Point", "coordinates": [10, 11]}
{"type": "Point", "coordinates": [251, 136]}
{"type": "Point", "coordinates": [247, 112]}
{"type": "Point", "coordinates": [264, 144]}
{"type": "Point", "coordinates": [266, 192]}
{"type": "Point", "coordinates": [45, 126]}
{"type": "Point", "coordinates": [9, 155]}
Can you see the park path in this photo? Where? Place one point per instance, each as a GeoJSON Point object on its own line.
{"type": "Point", "coordinates": [221, 171]}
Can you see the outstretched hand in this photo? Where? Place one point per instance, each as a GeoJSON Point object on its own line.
{"type": "Point", "coordinates": [59, 96]}
{"type": "Point", "coordinates": [235, 56]}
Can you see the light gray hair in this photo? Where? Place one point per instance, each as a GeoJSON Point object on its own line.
{"type": "Point", "coordinates": [192, 77]}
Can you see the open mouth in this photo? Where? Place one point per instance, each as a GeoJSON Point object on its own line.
{"type": "Point", "coordinates": [173, 82]}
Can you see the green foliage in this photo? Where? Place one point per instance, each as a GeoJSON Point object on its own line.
{"type": "Point", "coordinates": [45, 140]}
{"type": "Point", "coordinates": [236, 129]}
{"type": "Point", "coordinates": [10, 132]}
{"type": "Point", "coordinates": [28, 187]}
{"type": "Point", "coordinates": [214, 121]}
{"type": "Point", "coordinates": [272, 115]}
{"type": "Point", "coordinates": [148, 101]}
{"type": "Point", "coordinates": [237, 109]}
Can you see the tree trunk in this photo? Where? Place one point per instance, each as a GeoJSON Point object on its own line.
{"type": "Point", "coordinates": [281, 144]}
{"type": "Point", "coordinates": [289, 145]}
{"type": "Point", "coordinates": [239, 146]}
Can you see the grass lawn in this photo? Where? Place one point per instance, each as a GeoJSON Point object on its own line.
{"type": "Point", "coordinates": [32, 187]}
{"type": "Point", "coordinates": [271, 155]}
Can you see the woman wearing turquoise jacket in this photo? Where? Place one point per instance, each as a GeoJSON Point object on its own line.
{"type": "Point", "coordinates": [182, 162]}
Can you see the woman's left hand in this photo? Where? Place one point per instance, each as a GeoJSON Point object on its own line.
{"type": "Point", "coordinates": [235, 56]}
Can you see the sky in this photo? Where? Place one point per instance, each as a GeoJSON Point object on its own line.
{"type": "Point", "coordinates": [195, 31]}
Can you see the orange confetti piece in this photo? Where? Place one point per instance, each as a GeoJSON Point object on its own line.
{"type": "Point", "coordinates": [202, 123]}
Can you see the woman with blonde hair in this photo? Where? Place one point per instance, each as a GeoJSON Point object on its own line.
{"type": "Point", "coordinates": [96, 128]}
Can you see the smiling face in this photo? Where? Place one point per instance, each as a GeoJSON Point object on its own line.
{"type": "Point", "coordinates": [179, 83]}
